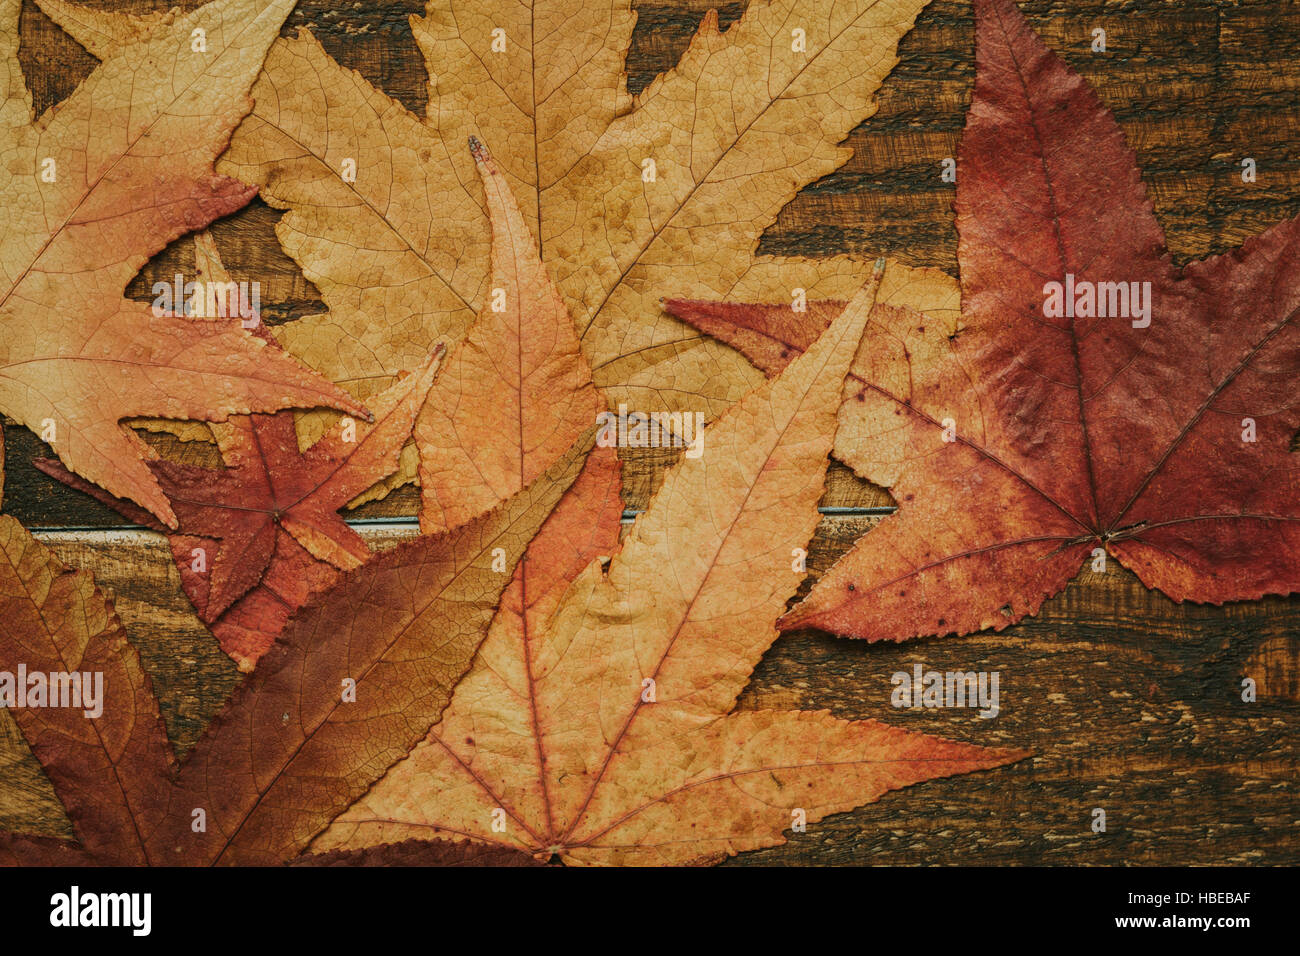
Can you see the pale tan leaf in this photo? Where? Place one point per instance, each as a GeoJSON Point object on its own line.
{"type": "Point", "coordinates": [95, 187]}
{"type": "Point", "coordinates": [735, 130]}
{"type": "Point", "coordinates": [597, 722]}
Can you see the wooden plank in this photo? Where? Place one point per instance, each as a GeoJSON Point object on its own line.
{"type": "Point", "coordinates": [1130, 703]}
{"type": "Point", "coordinates": [39, 501]}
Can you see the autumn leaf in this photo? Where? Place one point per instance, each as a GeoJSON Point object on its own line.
{"type": "Point", "coordinates": [94, 188]}
{"type": "Point", "coordinates": [104, 768]}
{"type": "Point", "coordinates": [250, 623]}
{"type": "Point", "coordinates": [514, 398]}
{"type": "Point", "coordinates": [734, 131]}
{"type": "Point", "coordinates": [257, 537]}
{"type": "Point", "coordinates": [269, 519]}
{"type": "Point", "coordinates": [596, 724]}
{"type": "Point", "coordinates": [516, 392]}
{"type": "Point", "coordinates": [1157, 434]}
{"type": "Point", "coordinates": [384, 219]}
{"type": "Point", "coordinates": [360, 674]}
{"type": "Point", "coordinates": [404, 628]}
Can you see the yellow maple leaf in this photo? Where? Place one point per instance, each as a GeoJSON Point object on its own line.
{"type": "Point", "coordinates": [633, 199]}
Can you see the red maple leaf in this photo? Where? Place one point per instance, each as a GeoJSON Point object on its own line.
{"type": "Point", "coordinates": [1094, 397]}
{"type": "Point", "coordinates": [259, 536]}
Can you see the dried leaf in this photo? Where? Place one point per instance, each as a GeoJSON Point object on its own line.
{"type": "Point", "coordinates": [104, 768]}
{"type": "Point", "coordinates": [287, 755]}
{"type": "Point", "coordinates": [1166, 446]}
{"type": "Point", "coordinates": [516, 396]}
{"type": "Point", "coordinates": [735, 130]}
{"type": "Point", "coordinates": [516, 392]}
{"type": "Point", "coordinates": [209, 272]}
{"type": "Point", "coordinates": [596, 724]}
{"type": "Point", "coordinates": [95, 187]}
{"type": "Point", "coordinates": [259, 536]}
{"type": "Point", "coordinates": [292, 748]}
{"type": "Point", "coordinates": [17, 849]}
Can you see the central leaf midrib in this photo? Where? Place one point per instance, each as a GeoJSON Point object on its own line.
{"type": "Point", "coordinates": [1064, 265]}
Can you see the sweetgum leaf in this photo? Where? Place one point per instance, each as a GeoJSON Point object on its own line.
{"type": "Point", "coordinates": [132, 152]}
{"type": "Point", "coordinates": [735, 130]}
{"type": "Point", "coordinates": [1167, 445]}
{"type": "Point", "coordinates": [597, 722]}
{"type": "Point", "coordinates": [257, 537]}
{"type": "Point", "coordinates": [104, 769]}
{"type": "Point", "coordinates": [291, 749]}
{"type": "Point", "coordinates": [513, 399]}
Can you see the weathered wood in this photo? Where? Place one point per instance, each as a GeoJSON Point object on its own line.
{"type": "Point", "coordinates": [1130, 702]}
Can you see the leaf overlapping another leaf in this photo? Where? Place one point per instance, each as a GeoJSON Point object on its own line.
{"type": "Point", "coordinates": [514, 397]}
{"type": "Point", "coordinates": [596, 723]}
{"type": "Point", "coordinates": [289, 751]}
{"type": "Point", "coordinates": [93, 188]}
{"type": "Point", "coordinates": [598, 718]}
{"type": "Point", "coordinates": [735, 130]}
{"type": "Point", "coordinates": [363, 668]}
{"type": "Point", "coordinates": [1167, 445]}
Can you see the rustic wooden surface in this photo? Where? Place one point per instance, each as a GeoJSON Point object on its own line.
{"type": "Point", "coordinates": [1130, 702]}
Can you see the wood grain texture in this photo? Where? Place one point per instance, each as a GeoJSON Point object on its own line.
{"type": "Point", "coordinates": [1132, 703]}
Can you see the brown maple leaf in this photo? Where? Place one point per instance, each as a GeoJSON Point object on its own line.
{"type": "Point", "coordinates": [1149, 419]}
{"type": "Point", "coordinates": [596, 724]}
{"type": "Point", "coordinates": [93, 189]}
{"type": "Point", "coordinates": [359, 675]}
{"type": "Point", "coordinates": [269, 521]}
